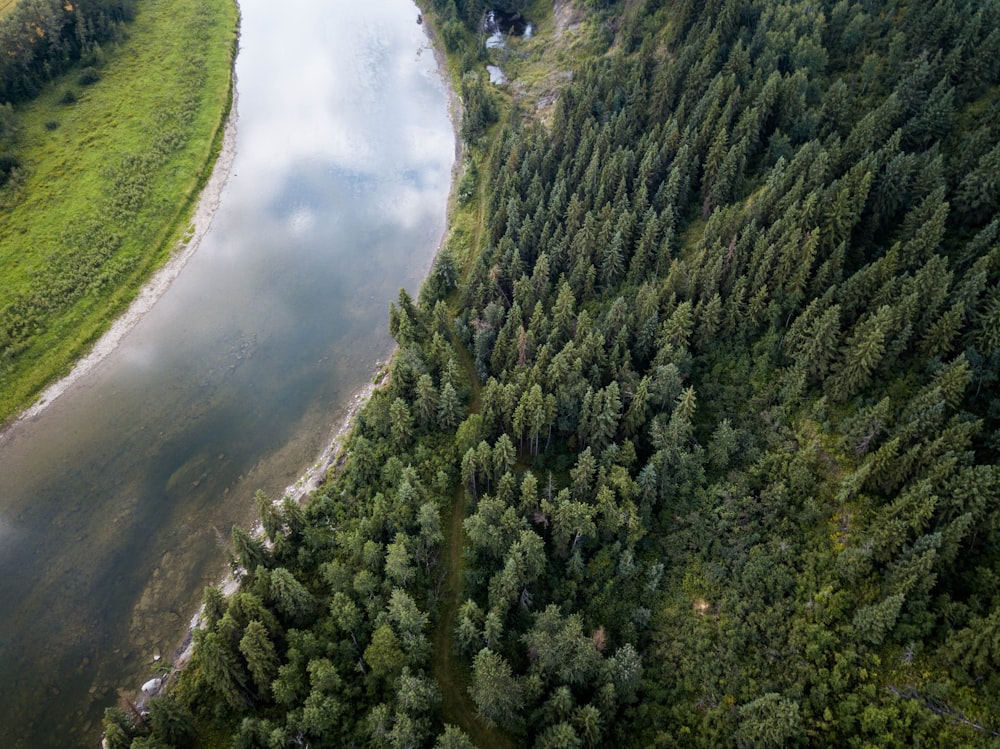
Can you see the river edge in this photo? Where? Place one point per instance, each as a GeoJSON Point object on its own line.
{"type": "Point", "coordinates": [200, 221]}
{"type": "Point", "coordinates": [313, 478]}
{"type": "Point", "coordinates": [323, 469]}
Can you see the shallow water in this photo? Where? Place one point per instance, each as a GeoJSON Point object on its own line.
{"type": "Point", "coordinates": [115, 502]}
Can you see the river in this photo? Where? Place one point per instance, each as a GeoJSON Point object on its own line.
{"type": "Point", "coordinates": [117, 499]}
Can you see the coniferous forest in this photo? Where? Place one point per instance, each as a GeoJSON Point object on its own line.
{"type": "Point", "coordinates": [696, 444]}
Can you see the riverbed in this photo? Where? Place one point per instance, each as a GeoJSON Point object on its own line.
{"type": "Point", "coordinates": [118, 498]}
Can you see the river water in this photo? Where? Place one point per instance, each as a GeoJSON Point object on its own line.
{"type": "Point", "coordinates": [116, 500]}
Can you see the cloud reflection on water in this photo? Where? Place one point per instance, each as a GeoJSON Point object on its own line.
{"type": "Point", "coordinates": [111, 498]}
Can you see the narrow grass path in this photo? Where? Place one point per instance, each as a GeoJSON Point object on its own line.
{"type": "Point", "coordinates": [466, 224]}
{"type": "Point", "coordinates": [451, 674]}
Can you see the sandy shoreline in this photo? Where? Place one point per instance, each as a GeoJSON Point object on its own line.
{"type": "Point", "coordinates": [158, 283]}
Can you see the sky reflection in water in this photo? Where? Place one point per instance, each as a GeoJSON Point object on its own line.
{"type": "Point", "coordinates": [112, 503]}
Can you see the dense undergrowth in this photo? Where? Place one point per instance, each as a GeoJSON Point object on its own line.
{"type": "Point", "coordinates": [103, 163]}
{"type": "Point", "coordinates": [710, 360]}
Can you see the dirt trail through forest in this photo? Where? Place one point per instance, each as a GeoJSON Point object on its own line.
{"type": "Point", "coordinates": [451, 673]}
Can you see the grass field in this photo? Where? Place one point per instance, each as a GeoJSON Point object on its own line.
{"type": "Point", "coordinates": [6, 6]}
{"type": "Point", "coordinates": [111, 173]}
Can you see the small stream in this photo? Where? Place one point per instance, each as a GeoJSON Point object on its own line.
{"type": "Point", "coordinates": [117, 500]}
{"type": "Point", "coordinates": [498, 25]}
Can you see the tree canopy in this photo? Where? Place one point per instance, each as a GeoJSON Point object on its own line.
{"type": "Point", "coordinates": [713, 400]}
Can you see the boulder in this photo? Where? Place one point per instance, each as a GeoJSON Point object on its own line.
{"type": "Point", "coordinates": [152, 686]}
{"type": "Point", "coordinates": [497, 76]}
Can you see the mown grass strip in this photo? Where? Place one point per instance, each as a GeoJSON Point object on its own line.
{"type": "Point", "coordinates": [112, 171]}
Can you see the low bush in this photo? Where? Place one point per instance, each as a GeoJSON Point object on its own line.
{"type": "Point", "coordinates": [88, 77]}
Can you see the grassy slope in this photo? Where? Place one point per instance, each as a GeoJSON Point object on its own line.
{"type": "Point", "coordinates": [154, 71]}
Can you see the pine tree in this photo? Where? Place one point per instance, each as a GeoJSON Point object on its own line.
{"type": "Point", "coordinates": [977, 646]}
{"type": "Point", "coordinates": [398, 568]}
{"type": "Point", "coordinates": [873, 623]}
{"type": "Point", "coordinates": [270, 517]}
{"type": "Point", "coordinates": [470, 469]}
{"type": "Point", "coordinates": [504, 456]}
{"type": "Point", "coordinates": [939, 339]}
{"type": "Point", "coordinates": [613, 262]}
{"type": "Point", "coordinates": [260, 655]}
{"type": "Point", "coordinates": [559, 736]}
{"type": "Point", "coordinates": [401, 422]}
{"type": "Point", "coordinates": [530, 418]}
{"type": "Point", "coordinates": [450, 411]}
{"type": "Point", "coordinates": [770, 721]}
{"type": "Point", "coordinates": [172, 722]}
{"type": "Point", "coordinates": [249, 553]}
{"type": "Point", "coordinates": [453, 738]}
{"type": "Point", "coordinates": [497, 693]}
{"type": "Point", "coordinates": [223, 672]}
{"type": "Point", "coordinates": [978, 195]}
{"type": "Point", "coordinates": [861, 355]}
{"type": "Point", "coordinates": [290, 597]}
{"type": "Point", "coordinates": [638, 408]}
{"type": "Point", "coordinates": [587, 720]}
{"type": "Point", "coordinates": [426, 405]}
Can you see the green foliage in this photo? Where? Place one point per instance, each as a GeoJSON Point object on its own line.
{"type": "Point", "coordinates": [770, 720]}
{"type": "Point", "coordinates": [8, 166]}
{"type": "Point", "coordinates": [497, 694]}
{"type": "Point", "coordinates": [480, 107]}
{"type": "Point", "coordinates": [77, 249]}
{"type": "Point", "coordinates": [697, 446]}
{"type": "Point", "coordinates": [88, 77]}
{"type": "Point", "coordinates": [453, 738]}
{"type": "Point", "coordinates": [44, 37]}
{"type": "Point", "coordinates": [172, 722]}
{"type": "Point", "coordinates": [262, 660]}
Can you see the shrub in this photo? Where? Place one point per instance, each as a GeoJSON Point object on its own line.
{"type": "Point", "coordinates": [88, 77]}
{"type": "Point", "coordinates": [8, 164]}
{"type": "Point", "coordinates": [454, 34]}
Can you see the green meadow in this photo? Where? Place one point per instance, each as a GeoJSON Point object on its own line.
{"type": "Point", "coordinates": [112, 158]}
